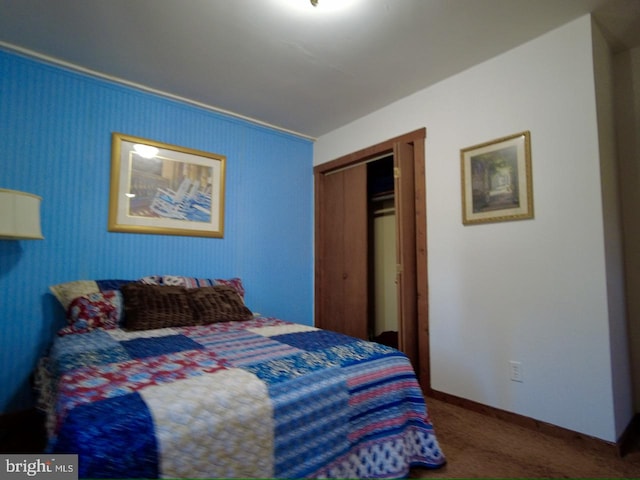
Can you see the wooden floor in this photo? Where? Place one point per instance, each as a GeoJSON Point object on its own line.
{"type": "Point", "coordinates": [482, 446]}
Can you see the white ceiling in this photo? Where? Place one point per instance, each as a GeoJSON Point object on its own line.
{"type": "Point", "coordinates": [301, 69]}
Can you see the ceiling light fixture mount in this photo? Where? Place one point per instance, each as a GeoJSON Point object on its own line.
{"type": "Point", "coordinates": [314, 8]}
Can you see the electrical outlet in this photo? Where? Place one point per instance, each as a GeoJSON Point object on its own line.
{"type": "Point", "coordinates": [515, 371]}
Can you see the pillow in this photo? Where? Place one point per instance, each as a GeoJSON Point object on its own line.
{"type": "Point", "coordinates": [106, 285]}
{"type": "Point", "coordinates": [148, 307]}
{"type": "Point", "coordinates": [219, 303]}
{"type": "Point", "coordinates": [85, 317]}
{"type": "Point", "coordinates": [65, 293]}
{"type": "Point", "coordinates": [192, 282]}
{"type": "Point", "coordinates": [96, 310]}
{"type": "Point", "coordinates": [177, 281]}
{"type": "Point", "coordinates": [235, 283]}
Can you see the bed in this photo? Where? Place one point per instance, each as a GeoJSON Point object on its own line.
{"type": "Point", "coordinates": [174, 377]}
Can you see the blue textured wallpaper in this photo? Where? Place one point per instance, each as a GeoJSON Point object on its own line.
{"type": "Point", "coordinates": [55, 141]}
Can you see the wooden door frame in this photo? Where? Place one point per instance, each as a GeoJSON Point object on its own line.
{"type": "Point", "coordinates": [417, 138]}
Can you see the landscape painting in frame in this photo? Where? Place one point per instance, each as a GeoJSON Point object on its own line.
{"type": "Point", "coordinates": [165, 189]}
{"type": "Point", "coordinates": [496, 180]}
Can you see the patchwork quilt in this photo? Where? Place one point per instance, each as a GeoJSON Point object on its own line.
{"type": "Point", "coordinates": [259, 398]}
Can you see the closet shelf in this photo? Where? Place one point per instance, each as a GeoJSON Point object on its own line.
{"type": "Point", "coordinates": [382, 196]}
{"type": "Point", "coordinates": [384, 211]}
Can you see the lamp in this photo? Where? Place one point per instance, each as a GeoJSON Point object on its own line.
{"type": "Point", "coordinates": [19, 215]}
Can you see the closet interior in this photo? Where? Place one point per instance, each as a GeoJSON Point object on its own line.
{"type": "Point", "coordinates": [383, 316]}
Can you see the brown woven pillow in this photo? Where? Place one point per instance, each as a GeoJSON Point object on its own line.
{"type": "Point", "coordinates": [148, 307]}
{"type": "Point", "coordinates": [219, 303]}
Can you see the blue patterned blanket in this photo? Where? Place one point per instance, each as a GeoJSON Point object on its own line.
{"type": "Point", "coordinates": [261, 398]}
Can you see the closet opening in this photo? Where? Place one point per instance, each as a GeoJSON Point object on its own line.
{"type": "Point", "coordinates": [383, 295]}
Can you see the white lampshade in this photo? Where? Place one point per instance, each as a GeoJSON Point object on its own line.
{"type": "Point", "coordinates": [19, 215]}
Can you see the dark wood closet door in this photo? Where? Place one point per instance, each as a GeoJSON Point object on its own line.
{"type": "Point", "coordinates": [342, 251]}
{"type": "Point", "coordinates": [403, 154]}
{"type": "Point", "coordinates": [342, 238]}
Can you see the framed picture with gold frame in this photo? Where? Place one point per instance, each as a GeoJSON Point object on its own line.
{"type": "Point", "coordinates": [164, 189]}
{"type": "Point", "coordinates": [496, 180]}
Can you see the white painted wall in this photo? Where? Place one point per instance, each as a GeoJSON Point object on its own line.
{"type": "Point", "coordinates": [534, 291]}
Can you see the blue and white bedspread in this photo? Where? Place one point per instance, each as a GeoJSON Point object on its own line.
{"type": "Point", "coordinates": [259, 398]}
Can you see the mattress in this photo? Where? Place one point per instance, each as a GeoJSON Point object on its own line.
{"type": "Point", "coordinates": [259, 398]}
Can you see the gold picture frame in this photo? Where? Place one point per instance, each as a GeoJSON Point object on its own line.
{"type": "Point", "coordinates": [496, 180]}
{"type": "Point", "coordinates": [164, 189]}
